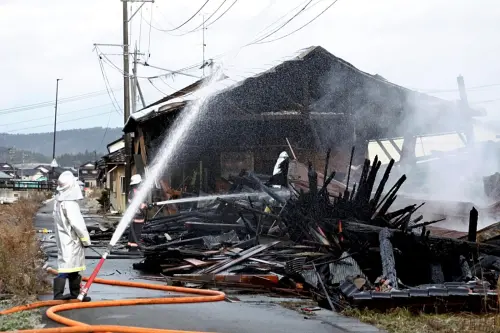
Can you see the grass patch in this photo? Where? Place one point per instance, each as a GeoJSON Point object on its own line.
{"type": "Point", "coordinates": [20, 320]}
{"type": "Point", "coordinates": [403, 321]}
{"type": "Point", "coordinates": [21, 258]}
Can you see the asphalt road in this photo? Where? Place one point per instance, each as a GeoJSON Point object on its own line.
{"type": "Point", "coordinates": [252, 314]}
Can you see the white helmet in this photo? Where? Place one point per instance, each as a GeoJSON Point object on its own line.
{"type": "Point", "coordinates": [135, 179]}
{"type": "Point", "coordinates": [65, 181]}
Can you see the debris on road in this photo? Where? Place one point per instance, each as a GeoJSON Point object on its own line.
{"type": "Point", "coordinates": [340, 244]}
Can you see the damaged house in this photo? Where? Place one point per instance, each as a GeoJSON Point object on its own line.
{"type": "Point", "coordinates": [111, 174]}
{"type": "Point", "coordinates": [315, 100]}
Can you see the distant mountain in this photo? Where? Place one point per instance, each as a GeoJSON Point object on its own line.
{"type": "Point", "coordinates": [67, 142]}
{"type": "Point", "coordinates": [21, 156]}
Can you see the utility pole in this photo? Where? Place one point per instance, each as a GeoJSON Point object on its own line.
{"type": "Point", "coordinates": [465, 111]}
{"type": "Point", "coordinates": [204, 45]}
{"type": "Point", "coordinates": [134, 82]}
{"type": "Point", "coordinates": [126, 99]}
{"type": "Point", "coordinates": [55, 129]}
{"type": "Point", "coordinates": [126, 84]}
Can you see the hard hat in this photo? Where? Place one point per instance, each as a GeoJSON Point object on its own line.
{"type": "Point", "coordinates": [283, 154]}
{"type": "Point", "coordinates": [65, 180]}
{"type": "Point", "coordinates": [135, 179]}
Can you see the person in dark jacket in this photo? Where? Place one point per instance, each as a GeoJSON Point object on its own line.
{"type": "Point", "coordinates": [135, 230]}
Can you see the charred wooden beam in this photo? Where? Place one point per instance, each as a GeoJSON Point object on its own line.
{"type": "Point", "coordinates": [438, 246]}
{"type": "Point", "coordinates": [473, 217]}
{"type": "Point", "coordinates": [387, 257]}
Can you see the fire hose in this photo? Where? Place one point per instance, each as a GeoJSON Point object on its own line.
{"type": "Point", "coordinates": [76, 326]}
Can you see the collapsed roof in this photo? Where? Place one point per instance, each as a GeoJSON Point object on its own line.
{"type": "Point", "coordinates": [318, 84]}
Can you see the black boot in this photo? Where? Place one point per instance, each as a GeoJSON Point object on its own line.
{"type": "Point", "coordinates": [138, 231]}
{"type": "Point", "coordinates": [74, 286]}
{"type": "Point", "coordinates": [59, 284]}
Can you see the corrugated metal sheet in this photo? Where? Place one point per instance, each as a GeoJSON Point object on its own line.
{"type": "Point", "coordinates": [310, 277]}
{"type": "Point", "coordinates": [344, 268]}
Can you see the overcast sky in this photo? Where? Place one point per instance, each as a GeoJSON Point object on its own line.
{"type": "Point", "coordinates": [420, 44]}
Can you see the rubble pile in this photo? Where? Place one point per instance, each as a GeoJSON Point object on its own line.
{"type": "Point", "coordinates": [342, 249]}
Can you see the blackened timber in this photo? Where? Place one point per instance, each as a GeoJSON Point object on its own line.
{"type": "Point", "coordinates": [381, 186]}
{"type": "Point", "coordinates": [202, 226]}
{"type": "Point", "coordinates": [473, 217]}
{"type": "Point", "coordinates": [439, 246]}
{"type": "Point", "coordinates": [399, 212]}
{"type": "Point", "coordinates": [346, 194]}
{"type": "Point", "coordinates": [372, 176]}
{"type": "Point", "coordinates": [313, 181]}
{"type": "Point", "coordinates": [253, 210]}
{"type": "Point", "coordinates": [327, 182]}
{"type": "Point", "coordinates": [424, 223]}
{"type": "Point", "coordinates": [387, 257]}
{"type": "Point", "coordinates": [361, 186]}
{"type": "Point", "coordinates": [389, 194]}
{"type": "Point", "coordinates": [327, 161]}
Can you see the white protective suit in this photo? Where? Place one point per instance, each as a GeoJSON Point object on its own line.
{"type": "Point", "coordinates": [71, 232]}
{"type": "Point", "coordinates": [281, 158]}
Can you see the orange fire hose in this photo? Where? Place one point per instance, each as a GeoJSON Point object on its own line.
{"type": "Point", "coordinates": [76, 326]}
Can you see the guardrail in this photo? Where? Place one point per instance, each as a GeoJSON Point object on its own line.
{"type": "Point", "coordinates": [28, 186]}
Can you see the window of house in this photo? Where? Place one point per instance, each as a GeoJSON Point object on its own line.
{"type": "Point", "coordinates": [87, 184]}
{"type": "Point", "coordinates": [122, 184]}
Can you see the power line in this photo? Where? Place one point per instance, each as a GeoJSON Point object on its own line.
{"type": "Point", "coordinates": [51, 103]}
{"type": "Point", "coordinates": [187, 21]}
{"type": "Point", "coordinates": [52, 124]}
{"type": "Point", "coordinates": [108, 85]}
{"type": "Point", "coordinates": [60, 113]}
{"type": "Point", "coordinates": [106, 131]}
{"type": "Point", "coordinates": [149, 37]}
{"type": "Point", "coordinates": [283, 25]}
{"type": "Point", "coordinates": [300, 28]}
{"type": "Point", "coordinates": [208, 19]}
{"type": "Point", "coordinates": [140, 28]}
{"type": "Point", "coordinates": [154, 86]}
{"type": "Point", "coordinates": [224, 13]}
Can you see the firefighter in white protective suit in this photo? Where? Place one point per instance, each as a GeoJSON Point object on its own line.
{"type": "Point", "coordinates": [71, 236]}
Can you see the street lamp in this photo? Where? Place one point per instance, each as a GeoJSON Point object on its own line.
{"type": "Point", "coordinates": [54, 162]}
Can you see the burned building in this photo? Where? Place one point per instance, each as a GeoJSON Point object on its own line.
{"type": "Point", "coordinates": [315, 100]}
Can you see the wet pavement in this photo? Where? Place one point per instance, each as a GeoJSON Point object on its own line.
{"type": "Point", "coordinates": [251, 314]}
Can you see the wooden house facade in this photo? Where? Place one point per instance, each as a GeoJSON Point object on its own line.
{"type": "Point", "coordinates": [316, 101]}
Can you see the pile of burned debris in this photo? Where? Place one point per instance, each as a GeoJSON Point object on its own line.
{"type": "Point", "coordinates": [342, 249]}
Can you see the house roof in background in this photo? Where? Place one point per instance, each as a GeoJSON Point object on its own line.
{"type": "Point", "coordinates": [6, 166]}
{"type": "Point", "coordinates": [116, 157]}
{"type": "Point", "coordinates": [29, 172]}
{"type": "Point", "coordinates": [116, 141]}
{"type": "Point", "coordinates": [88, 164]}
{"type": "Point", "coordinates": [3, 175]}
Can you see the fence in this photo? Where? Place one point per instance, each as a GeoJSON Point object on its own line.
{"type": "Point", "coordinates": [27, 185]}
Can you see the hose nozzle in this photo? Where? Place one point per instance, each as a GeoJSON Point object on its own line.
{"type": "Point", "coordinates": [82, 294]}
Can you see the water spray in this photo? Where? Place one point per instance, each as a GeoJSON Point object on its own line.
{"type": "Point", "coordinates": [162, 161]}
{"type": "Point", "coordinates": [222, 196]}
